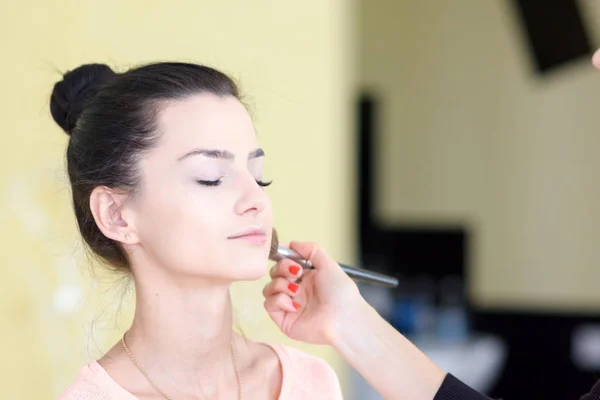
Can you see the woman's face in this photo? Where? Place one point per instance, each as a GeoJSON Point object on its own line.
{"type": "Point", "coordinates": [199, 211]}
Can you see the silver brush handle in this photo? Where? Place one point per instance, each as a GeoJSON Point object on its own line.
{"type": "Point", "coordinates": [369, 276]}
{"type": "Point", "coordinates": [354, 273]}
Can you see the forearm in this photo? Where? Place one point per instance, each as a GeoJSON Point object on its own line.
{"type": "Point", "coordinates": [385, 358]}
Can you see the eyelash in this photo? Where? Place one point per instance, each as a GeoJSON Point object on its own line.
{"type": "Point", "coordinates": [219, 181]}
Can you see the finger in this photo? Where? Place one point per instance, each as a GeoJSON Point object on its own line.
{"type": "Point", "coordinates": [313, 252]}
{"type": "Point", "coordinates": [287, 269]}
{"type": "Point", "coordinates": [280, 302]}
{"type": "Point", "coordinates": [596, 59]}
{"type": "Point", "coordinates": [280, 285]}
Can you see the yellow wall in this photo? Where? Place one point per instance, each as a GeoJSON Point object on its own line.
{"type": "Point", "coordinates": [471, 135]}
{"type": "Point", "coordinates": [294, 61]}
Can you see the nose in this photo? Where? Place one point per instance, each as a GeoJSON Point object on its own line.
{"type": "Point", "coordinates": [252, 199]}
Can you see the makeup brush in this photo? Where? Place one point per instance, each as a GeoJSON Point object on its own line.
{"type": "Point", "coordinates": [279, 252]}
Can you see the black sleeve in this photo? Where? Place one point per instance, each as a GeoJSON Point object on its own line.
{"type": "Point", "coordinates": [453, 389]}
{"type": "Point", "coordinates": [594, 394]}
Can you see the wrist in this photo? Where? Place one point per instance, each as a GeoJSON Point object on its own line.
{"type": "Point", "coordinates": [351, 323]}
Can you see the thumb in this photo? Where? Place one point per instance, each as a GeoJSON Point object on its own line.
{"type": "Point", "coordinates": [314, 253]}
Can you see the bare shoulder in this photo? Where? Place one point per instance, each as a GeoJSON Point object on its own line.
{"type": "Point", "coordinates": [118, 366]}
{"type": "Point", "coordinates": [123, 374]}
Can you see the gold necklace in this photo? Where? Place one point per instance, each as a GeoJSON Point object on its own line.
{"type": "Point", "coordinates": [163, 394]}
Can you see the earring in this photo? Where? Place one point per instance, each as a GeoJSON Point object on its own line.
{"type": "Point", "coordinates": [127, 236]}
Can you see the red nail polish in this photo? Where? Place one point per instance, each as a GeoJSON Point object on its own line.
{"type": "Point", "coordinates": [293, 288]}
{"type": "Point", "coordinates": [296, 305]}
{"type": "Point", "coordinates": [295, 270]}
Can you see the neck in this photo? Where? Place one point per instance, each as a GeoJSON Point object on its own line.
{"type": "Point", "coordinates": [183, 335]}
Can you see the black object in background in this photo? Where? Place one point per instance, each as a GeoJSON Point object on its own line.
{"type": "Point", "coordinates": [407, 251]}
{"type": "Point", "coordinates": [554, 30]}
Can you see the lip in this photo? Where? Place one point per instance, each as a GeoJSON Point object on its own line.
{"type": "Point", "coordinates": [256, 236]}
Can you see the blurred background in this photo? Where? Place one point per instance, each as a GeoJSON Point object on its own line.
{"type": "Point", "coordinates": [452, 144]}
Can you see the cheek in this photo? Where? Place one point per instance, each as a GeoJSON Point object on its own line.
{"type": "Point", "coordinates": [268, 211]}
{"type": "Point", "coordinates": [181, 227]}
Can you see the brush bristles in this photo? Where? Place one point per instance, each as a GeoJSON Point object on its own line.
{"type": "Point", "coordinates": [274, 245]}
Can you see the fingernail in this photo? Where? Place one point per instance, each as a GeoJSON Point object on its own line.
{"type": "Point", "coordinates": [296, 305]}
{"type": "Point", "coordinates": [293, 288]}
{"type": "Point", "coordinates": [295, 270]}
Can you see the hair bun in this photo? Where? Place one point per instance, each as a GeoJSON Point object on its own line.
{"type": "Point", "coordinates": [70, 94]}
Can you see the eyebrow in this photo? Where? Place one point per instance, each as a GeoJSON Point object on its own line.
{"type": "Point", "coordinates": [221, 154]}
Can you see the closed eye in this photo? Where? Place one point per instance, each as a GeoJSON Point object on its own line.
{"type": "Point", "coordinates": [211, 183]}
{"type": "Point", "coordinates": [263, 183]}
{"type": "Point", "coordinates": [219, 181]}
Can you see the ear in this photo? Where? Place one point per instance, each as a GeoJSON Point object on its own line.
{"type": "Point", "coordinates": [107, 206]}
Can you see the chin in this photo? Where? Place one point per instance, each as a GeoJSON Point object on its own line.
{"type": "Point", "coordinates": [250, 263]}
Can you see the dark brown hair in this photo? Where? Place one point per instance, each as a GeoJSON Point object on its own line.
{"type": "Point", "coordinates": [111, 119]}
